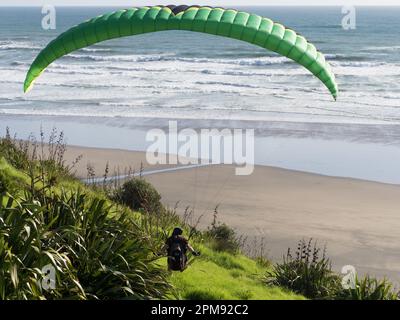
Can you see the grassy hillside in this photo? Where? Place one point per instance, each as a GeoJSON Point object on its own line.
{"type": "Point", "coordinates": [46, 188]}
{"type": "Point", "coordinates": [104, 242]}
{"type": "Point", "coordinates": [220, 275]}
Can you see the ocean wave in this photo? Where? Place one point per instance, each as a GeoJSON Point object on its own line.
{"type": "Point", "coordinates": [18, 63]}
{"type": "Point", "coordinates": [386, 95]}
{"type": "Point", "coordinates": [368, 100]}
{"type": "Point", "coordinates": [345, 57]}
{"type": "Point", "coordinates": [17, 45]}
{"type": "Point", "coordinates": [142, 108]}
{"type": "Point", "coordinates": [85, 85]}
{"type": "Point", "coordinates": [340, 60]}
{"type": "Point", "coordinates": [121, 104]}
{"type": "Point", "coordinates": [282, 96]}
{"type": "Point", "coordinates": [72, 71]}
{"type": "Point", "coordinates": [381, 48]}
{"type": "Point", "coordinates": [230, 84]}
{"type": "Point", "coordinates": [143, 71]}
{"type": "Point", "coordinates": [117, 58]}
{"type": "Point", "coordinates": [96, 50]}
{"type": "Point", "coordinates": [262, 61]}
{"type": "Point", "coordinates": [358, 63]}
{"type": "Point", "coordinates": [332, 56]}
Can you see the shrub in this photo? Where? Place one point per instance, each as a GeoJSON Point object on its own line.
{"type": "Point", "coordinates": [95, 256]}
{"type": "Point", "coordinates": [369, 288]}
{"type": "Point", "coordinates": [223, 238]}
{"type": "Point", "coordinates": [13, 153]}
{"type": "Point", "coordinates": [25, 250]}
{"type": "Point", "coordinates": [138, 194]}
{"type": "Point", "coordinates": [38, 157]}
{"type": "Point", "coordinates": [308, 272]}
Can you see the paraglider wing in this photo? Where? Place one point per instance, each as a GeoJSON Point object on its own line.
{"type": "Point", "coordinates": [229, 23]}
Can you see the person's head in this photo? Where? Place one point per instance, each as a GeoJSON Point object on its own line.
{"type": "Point", "coordinates": [177, 231]}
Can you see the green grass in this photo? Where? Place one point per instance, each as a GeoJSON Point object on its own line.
{"type": "Point", "coordinates": [213, 275]}
{"type": "Point", "coordinates": [16, 179]}
{"type": "Point", "coordinates": [10, 171]}
{"type": "Point", "coordinates": [220, 275]}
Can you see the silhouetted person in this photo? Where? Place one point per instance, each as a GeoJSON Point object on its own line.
{"type": "Point", "coordinates": [177, 246]}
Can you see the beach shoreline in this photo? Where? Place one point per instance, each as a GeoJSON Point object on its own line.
{"type": "Point", "coordinates": [356, 219]}
{"type": "Point", "coordinates": [366, 152]}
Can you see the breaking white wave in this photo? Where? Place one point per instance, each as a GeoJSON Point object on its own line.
{"type": "Point", "coordinates": [18, 45]}
{"type": "Point", "coordinates": [96, 50]}
{"type": "Point", "coordinates": [262, 61]}
{"type": "Point", "coordinates": [382, 48]}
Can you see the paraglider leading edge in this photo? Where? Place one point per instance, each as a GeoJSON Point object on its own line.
{"type": "Point", "coordinates": [229, 23]}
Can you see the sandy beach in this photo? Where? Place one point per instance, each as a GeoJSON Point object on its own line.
{"type": "Point", "coordinates": [357, 220]}
{"type": "Point", "coordinates": [119, 161]}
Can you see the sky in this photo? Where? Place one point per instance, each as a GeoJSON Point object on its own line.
{"type": "Point", "coordinates": [129, 3]}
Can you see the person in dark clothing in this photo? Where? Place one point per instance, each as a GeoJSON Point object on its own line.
{"type": "Point", "coordinates": [177, 247]}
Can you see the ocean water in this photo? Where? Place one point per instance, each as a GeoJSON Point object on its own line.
{"type": "Point", "coordinates": [197, 77]}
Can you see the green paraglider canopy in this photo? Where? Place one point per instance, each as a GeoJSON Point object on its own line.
{"type": "Point", "coordinates": [229, 23]}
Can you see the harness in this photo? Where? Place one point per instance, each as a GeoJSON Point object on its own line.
{"type": "Point", "coordinates": [177, 255]}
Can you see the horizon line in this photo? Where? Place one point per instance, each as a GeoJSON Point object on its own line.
{"type": "Point", "coordinates": [254, 5]}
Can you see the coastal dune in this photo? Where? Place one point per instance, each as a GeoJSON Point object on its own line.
{"type": "Point", "coordinates": [358, 221]}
